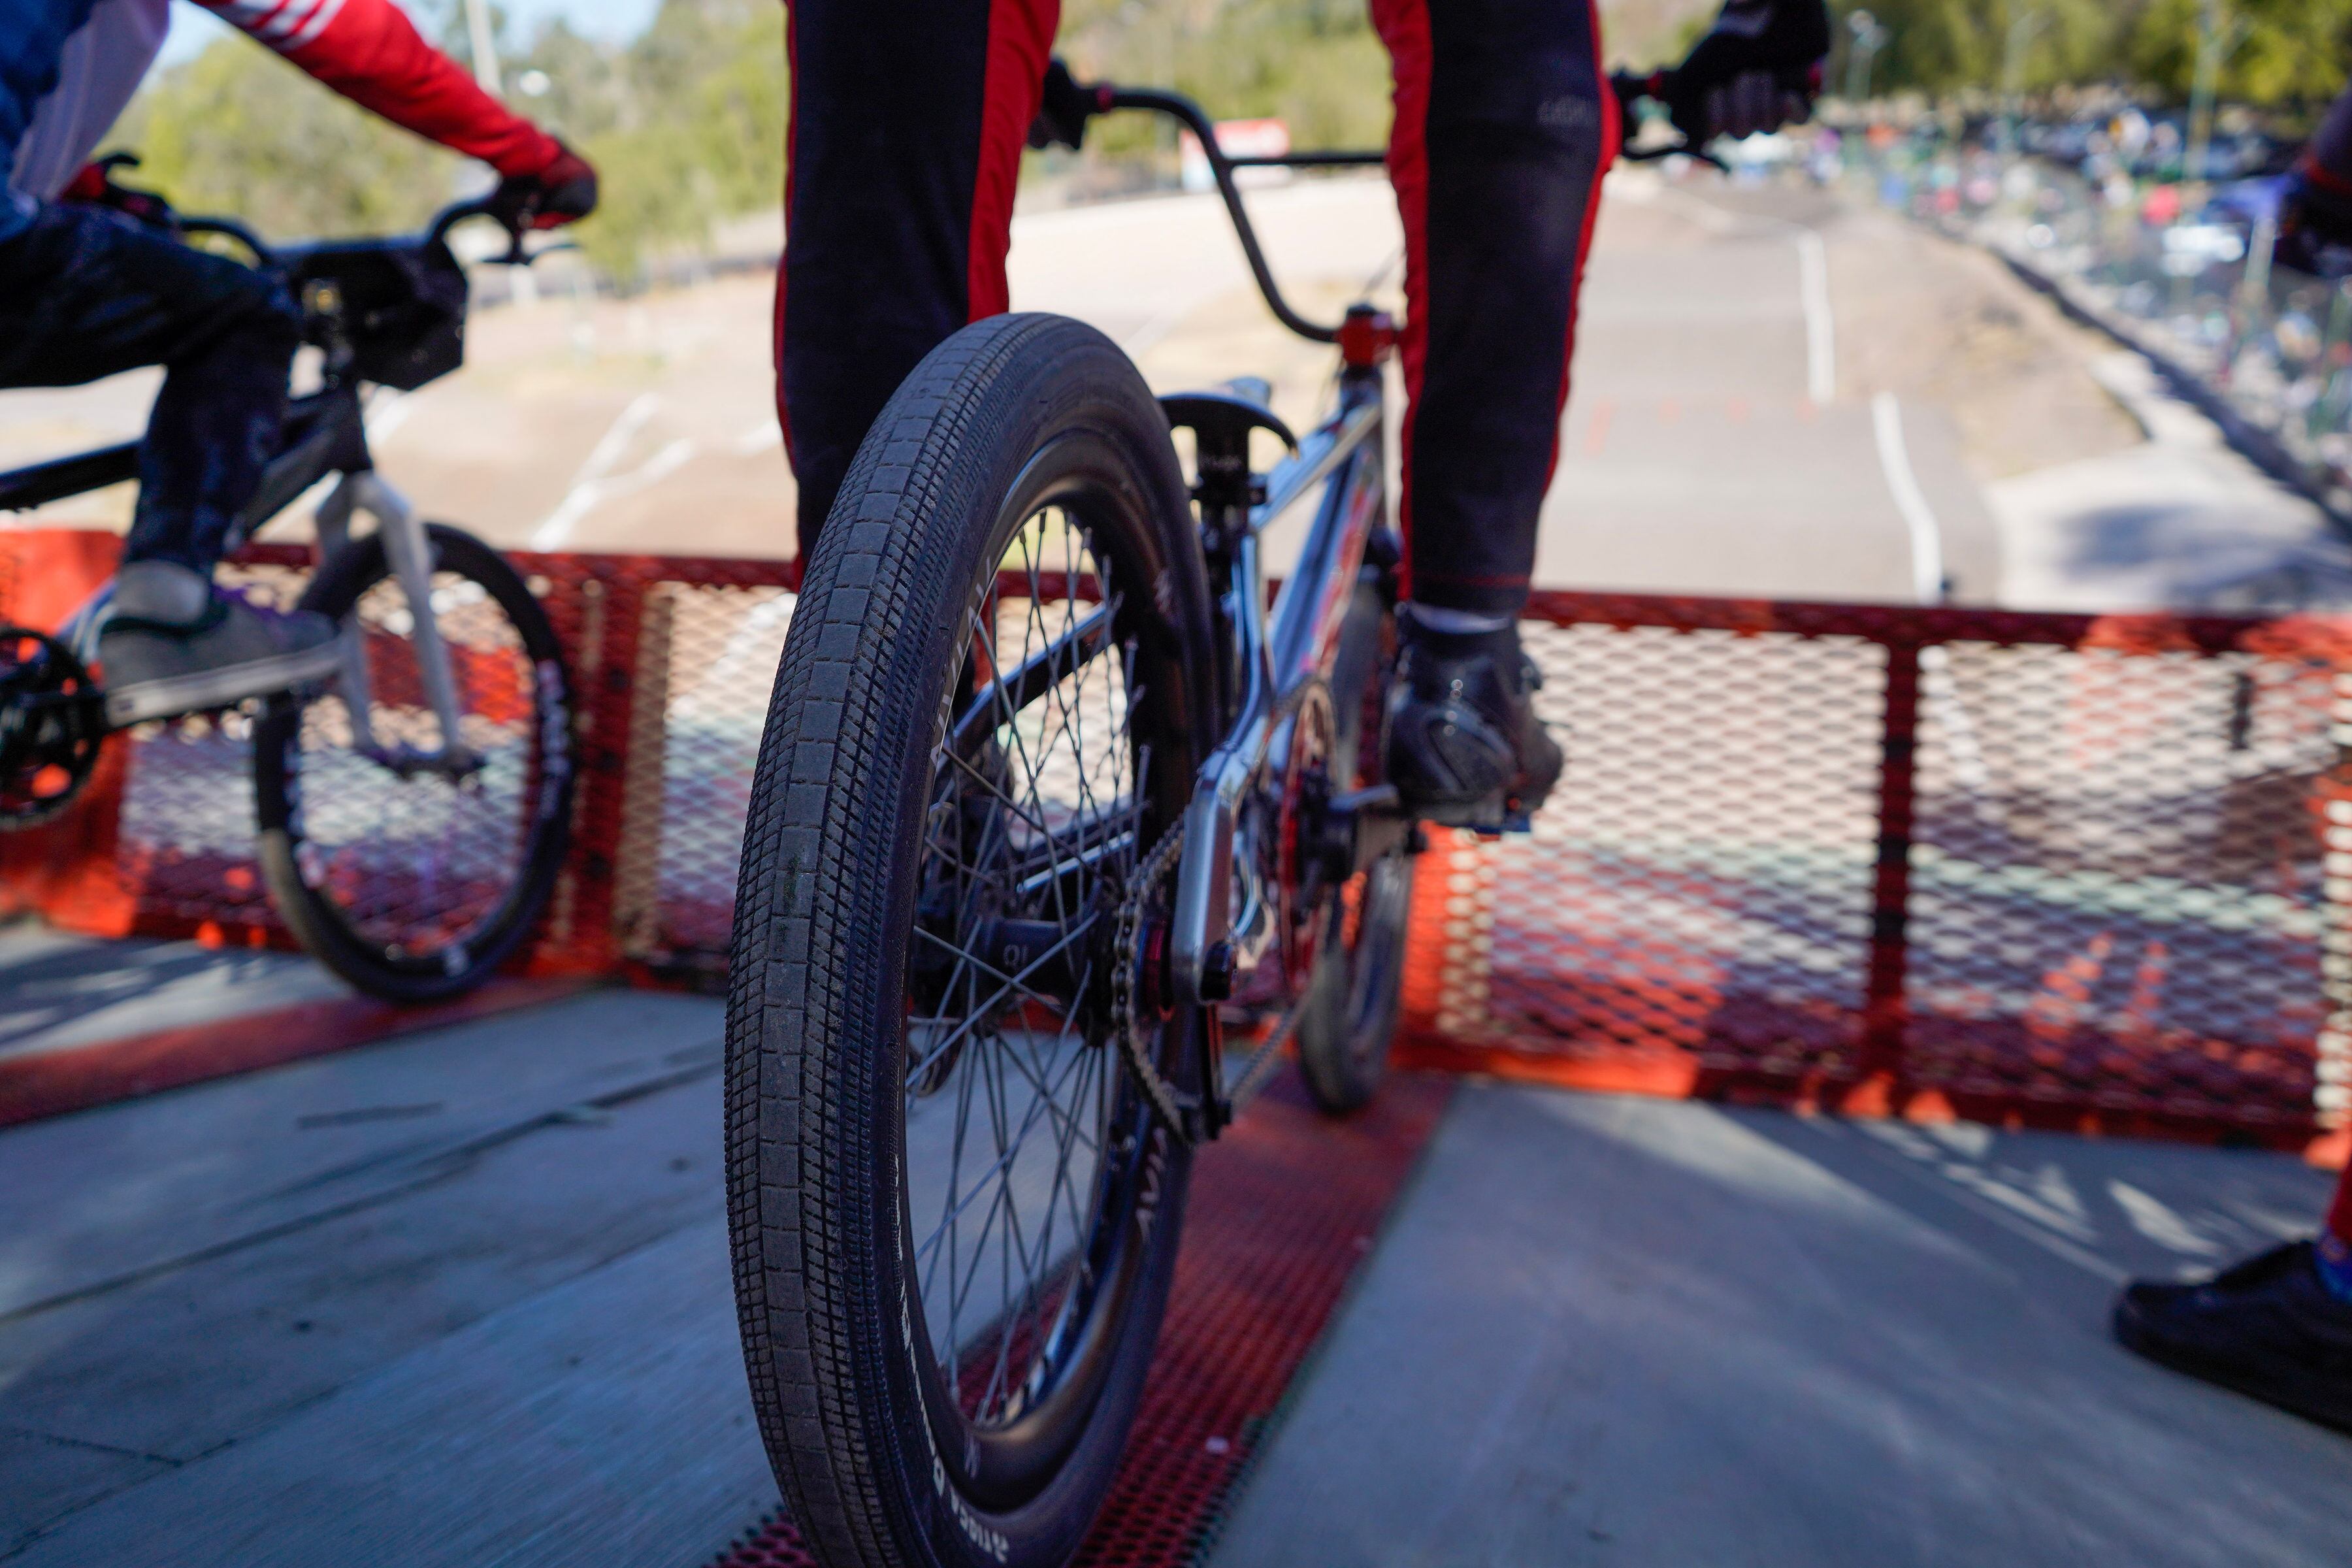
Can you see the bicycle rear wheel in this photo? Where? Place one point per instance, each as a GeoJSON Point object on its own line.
{"type": "Point", "coordinates": [411, 880]}
{"type": "Point", "coordinates": [954, 1217]}
{"type": "Point", "coordinates": [1357, 986]}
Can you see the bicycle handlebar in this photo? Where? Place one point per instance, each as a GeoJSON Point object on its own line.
{"type": "Point", "coordinates": [231, 229]}
{"type": "Point", "coordinates": [489, 206]}
{"type": "Point", "coordinates": [510, 212]}
{"type": "Point", "coordinates": [1082, 103]}
{"type": "Point", "coordinates": [1188, 114]}
{"type": "Point", "coordinates": [434, 232]}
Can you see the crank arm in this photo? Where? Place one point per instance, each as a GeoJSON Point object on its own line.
{"type": "Point", "coordinates": [1364, 828]}
{"type": "Point", "coordinates": [1206, 965]}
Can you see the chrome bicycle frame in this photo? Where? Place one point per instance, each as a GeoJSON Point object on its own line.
{"type": "Point", "coordinates": [410, 554]}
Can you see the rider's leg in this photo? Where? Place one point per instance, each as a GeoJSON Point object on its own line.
{"type": "Point", "coordinates": [1504, 124]}
{"type": "Point", "coordinates": [905, 146]}
{"type": "Point", "coordinates": [96, 294]}
{"type": "Point", "coordinates": [100, 294]}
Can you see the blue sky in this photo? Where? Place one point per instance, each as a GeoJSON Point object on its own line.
{"type": "Point", "coordinates": [192, 29]}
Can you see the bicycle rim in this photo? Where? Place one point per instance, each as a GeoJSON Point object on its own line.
{"type": "Point", "coordinates": [410, 878]}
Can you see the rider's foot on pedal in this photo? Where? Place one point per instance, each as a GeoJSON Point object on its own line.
{"type": "Point", "coordinates": [174, 643]}
{"type": "Point", "coordinates": [2271, 1328]}
{"type": "Point", "coordinates": [1466, 748]}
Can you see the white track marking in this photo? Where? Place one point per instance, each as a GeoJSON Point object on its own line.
{"type": "Point", "coordinates": [618, 436]}
{"type": "Point", "coordinates": [592, 485]}
{"type": "Point", "coordinates": [1919, 519]}
{"type": "Point", "coordinates": [1821, 321]}
{"type": "Point", "coordinates": [586, 498]}
{"type": "Point", "coordinates": [387, 411]}
{"type": "Point", "coordinates": [757, 439]}
{"type": "Point", "coordinates": [1939, 680]}
{"type": "Point", "coordinates": [1149, 334]}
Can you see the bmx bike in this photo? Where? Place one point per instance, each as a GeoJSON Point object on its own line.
{"type": "Point", "coordinates": [1050, 811]}
{"type": "Point", "coordinates": [414, 804]}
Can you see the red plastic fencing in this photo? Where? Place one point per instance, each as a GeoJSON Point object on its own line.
{"type": "Point", "coordinates": [2052, 870]}
{"type": "Point", "coordinates": [1276, 1227]}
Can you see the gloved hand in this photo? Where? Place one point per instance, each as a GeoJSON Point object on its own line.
{"type": "Point", "coordinates": [1065, 107]}
{"type": "Point", "coordinates": [564, 192]}
{"type": "Point", "coordinates": [1759, 69]}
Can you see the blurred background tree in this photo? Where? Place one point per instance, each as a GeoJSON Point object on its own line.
{"type": "Point", "coordinates": [236, 130]}
{"type": "Point", "coordinates": [2273, 53]}
{"type": "Point", "coordinates": [687, 121]}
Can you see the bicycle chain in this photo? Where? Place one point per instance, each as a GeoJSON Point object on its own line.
{"type": "Point", "coordinates": [1166, 1099]}
{"type": "Point", "coordinates": [1127, 955]}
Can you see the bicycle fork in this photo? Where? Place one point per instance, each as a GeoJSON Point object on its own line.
{"type": "Point", "coordinates": [409, 551]}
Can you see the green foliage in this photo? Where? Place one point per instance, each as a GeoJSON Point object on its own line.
{"type": "Point", "coordinates": [1315, 64]}
{"type": "Point", "coordinates": [2276, 51]}
{"type": "Point", "coordinates": [237, 130]}
{"type": "Point", "coordinates": [2279, 51]}
{"type": "Point", "coordinates": [687, 123]}
{"type": "Point", "coordinates": [686, 126]}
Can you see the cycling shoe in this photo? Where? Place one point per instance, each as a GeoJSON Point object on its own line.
{"type": "Point", "coordinates": [174, 643]}
{"type": "Point", "coordinates": [2269, 1328]}
{"type": "Point", "coordinates": [1466, 747]}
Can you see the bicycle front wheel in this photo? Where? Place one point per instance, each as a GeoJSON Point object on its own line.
{"type": "Point", "coordinates": [411, 862]}
{"type": "Point", "coordinates": [954, 1214]}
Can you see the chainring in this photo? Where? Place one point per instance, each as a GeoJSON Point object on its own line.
{"type": "Point", "coordinates": [52, 722]}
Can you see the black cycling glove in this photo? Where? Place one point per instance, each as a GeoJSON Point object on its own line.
{"type": "Point", "coordinates": [1064, 107]}
{"type": "Point", "coordinates": [564, 192]}
{"type": "Point", "coordinates": [1759, 69]}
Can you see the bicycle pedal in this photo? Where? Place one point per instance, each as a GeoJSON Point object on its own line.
{"type": "Point", "coordinates": [1519, 822]}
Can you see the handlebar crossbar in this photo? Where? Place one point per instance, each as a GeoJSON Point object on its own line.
{"type": "Point", "coordinates": [1309, 160]}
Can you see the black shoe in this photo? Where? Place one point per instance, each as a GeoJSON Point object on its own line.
{"type": "Point", "coordinates": [1466, 748]}
{"type": "Point", "coordinates": [2271, 1329]}
{"type": "Point", "coordinates": [174, 643]}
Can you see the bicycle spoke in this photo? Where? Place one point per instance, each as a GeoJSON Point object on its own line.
{"type": "Point", "coordinates": [1038, 815]}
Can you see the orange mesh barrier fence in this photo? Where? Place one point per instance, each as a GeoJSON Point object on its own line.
{"type": "Point", "coordinates": [2055, 870]}
{"type": "Point", "coordinates": [2059, 870]}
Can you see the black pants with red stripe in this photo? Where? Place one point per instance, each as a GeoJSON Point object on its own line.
{"type": "Point", "coordinates": [907, 129]}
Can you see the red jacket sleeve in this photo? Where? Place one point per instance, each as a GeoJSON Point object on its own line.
{"type": "Point", "coordinates": [369, 51]}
